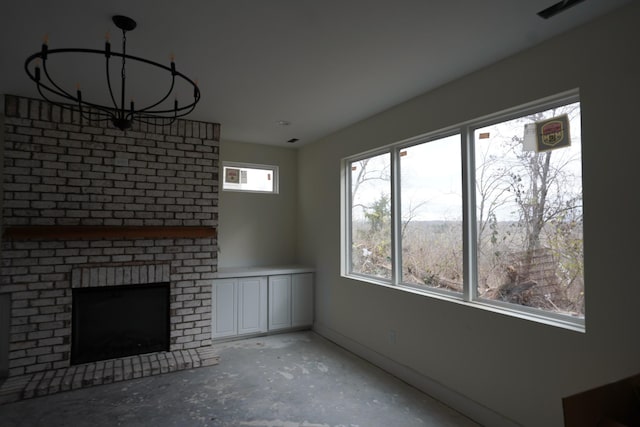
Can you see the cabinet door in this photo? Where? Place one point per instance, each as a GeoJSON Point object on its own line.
{"type": "Point", "coordinates": [225, 303]}
{"type": "Point", "coordinates": [302, 299]}
{"type": "Point", "coordinates": [279, 302]}
{"type": "Point", "coordinates": [252, 305]}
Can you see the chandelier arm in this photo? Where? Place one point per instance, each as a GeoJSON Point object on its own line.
{"type": "Point", "coordinates": [42, 86]}
{"type": "Point", "coordinates": [91, 116]}
{"type": "Point", "coordinates": [181, 110]}
{"type": "Point", "coordinates": [173, 110]}
{"type": "Point", "coordinates": [154, 120]}
{"type": "Point", "coordinates": [103, 114]}
{"type": "Point", "coordinates": [177, 73]}
{"type": "Point", "coordinates": [148, 119]}
{"type": "Point", "coordinates": [113, 99]}
{"type": "Point", "coordinates": [53, 91]}
{"type": "Point", "coordinates": [155, 64]}
{"type": "Point", "coordinates": [190, 107]}
{"type": "Point", "coordinates": [95, 117]}
{"type": "Point", "coordinates": [173, 82]}
{"type": "Point", "coordinates": [100, 111]}
{"type": "Point", "coordinates": [59, 91]}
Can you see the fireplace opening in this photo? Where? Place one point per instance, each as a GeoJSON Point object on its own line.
{"type": "Point", "coordinates": [119, 321]}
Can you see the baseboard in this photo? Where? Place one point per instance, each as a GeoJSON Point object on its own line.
{"type": "Point", "coordinates": [468, 407]}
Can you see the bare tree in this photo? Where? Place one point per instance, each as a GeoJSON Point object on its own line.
{"type": "Point", "coordinates": [544, 192]}
{"type": "Point", "coordinates": [367, 174]}
{"type": "Point", "coordinates": [491, 189]}
{"type": "Point", "coordinates": [541, 187]}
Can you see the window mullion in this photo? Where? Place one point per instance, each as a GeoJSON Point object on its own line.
{"type": "Point", "coordinates": [469, 222]}
{"type": "Point", "coordinates": [347, 220]}
{"type": "Point", "coordinates": [396, 219]}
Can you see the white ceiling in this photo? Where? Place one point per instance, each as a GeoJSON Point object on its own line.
{"type": "Point", "coordinates": [319, 64]}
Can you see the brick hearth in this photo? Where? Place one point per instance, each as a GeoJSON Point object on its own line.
{"type": "Point", "coordinates": [104, 372]}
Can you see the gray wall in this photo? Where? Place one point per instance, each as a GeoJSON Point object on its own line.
{"type": "Point", "coordinates": [494, 367]}
{"type": "Point", "coordinates": [5, 298]}
{"type": "Point", "coordinates": [258, 229]}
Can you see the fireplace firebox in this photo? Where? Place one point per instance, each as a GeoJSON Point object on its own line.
{"type": "Point", "coordinates": [118, 321]}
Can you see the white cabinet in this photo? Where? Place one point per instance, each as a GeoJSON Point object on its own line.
{"type": "Point", "coordinates": [240, 306]}
{"type": "Point", "coordinates": [290, 301]}
{"type": "Point", "coordinates": [252, 305]}
{"type": "Point", "coordinates": [279, 302]}
{"type": "Point", "coordinates": [263, 299]}
{"type": "Point", "coordinates": [225, 308]}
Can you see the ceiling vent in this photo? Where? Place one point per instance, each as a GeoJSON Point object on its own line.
{"type": "Point", "coordinates": [557, 8]}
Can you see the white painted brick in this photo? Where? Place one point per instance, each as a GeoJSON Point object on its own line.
{"type": "Point", "coordinates": [93, 277]}
{"type": "Point", "coordinates": [39, 335]}
{"type": "Point", "coordinates": [119, 276]}
{"type": "Point", "coordinates": [135, 275]}
{"type": "Point", "coordinates": [49, 358]}
{"type": "Point", "coordinates": [191, 345]}
{"type": "Point", "coordinates": [184, 326]}
{"type": "Point", "coordinates": [74, 171]}
{"type": "Point", "coordinates": [52, 309]}
{"type": "Point", "coordinates": [22, 330]}
{"type": "Point", "coordinates": [126, 271]}
{"type": "Point", "coordinates": [102, 276]}
{"type": "Point", "coordinates": [192, 317]}
{"type": "Point", "coordinates": [111, 276]}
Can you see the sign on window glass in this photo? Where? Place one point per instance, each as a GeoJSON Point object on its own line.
{"type": "Point", "coordinates": [250, 178]}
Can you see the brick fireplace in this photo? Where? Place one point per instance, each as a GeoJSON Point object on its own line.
{"type": "Point", "coordinates": [85, 205]}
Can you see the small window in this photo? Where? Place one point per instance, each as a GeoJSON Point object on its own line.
{"type": "Point", "coordinates": [249, 177]}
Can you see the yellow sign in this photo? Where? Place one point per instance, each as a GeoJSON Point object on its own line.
{"type": "Point", "coordinates": [553, 133]}
{"type": "Point", "coordinates": [232, 176]}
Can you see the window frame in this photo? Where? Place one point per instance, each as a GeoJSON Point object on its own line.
{"type": "Point", "coordinates": [275, 173]}
{"type": "Point", "coordinates": [469, 296]}
{"type": "Point", "coordinates": [347, 228]}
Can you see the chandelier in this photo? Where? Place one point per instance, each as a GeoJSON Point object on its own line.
{"type": "Point", "coordinates": [159, 111]}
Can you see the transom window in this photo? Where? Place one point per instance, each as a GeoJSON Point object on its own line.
{"type": "Point", "coordinates": [488, 213]}
{"type": "Point", "coordinates": [249, 177]}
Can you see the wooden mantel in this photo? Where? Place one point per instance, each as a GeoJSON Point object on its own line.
{"type": "Point", "coordinates": [80, 232]}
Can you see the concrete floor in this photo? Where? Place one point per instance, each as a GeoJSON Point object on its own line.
{"type": "Point", "coordinates": [289, 380]}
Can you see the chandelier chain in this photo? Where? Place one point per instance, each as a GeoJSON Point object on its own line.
{"type": "Point", "coordinates": [124, 74]}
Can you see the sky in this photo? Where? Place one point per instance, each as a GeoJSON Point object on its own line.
{"type": "Point", "coordinates": [431, 171]}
